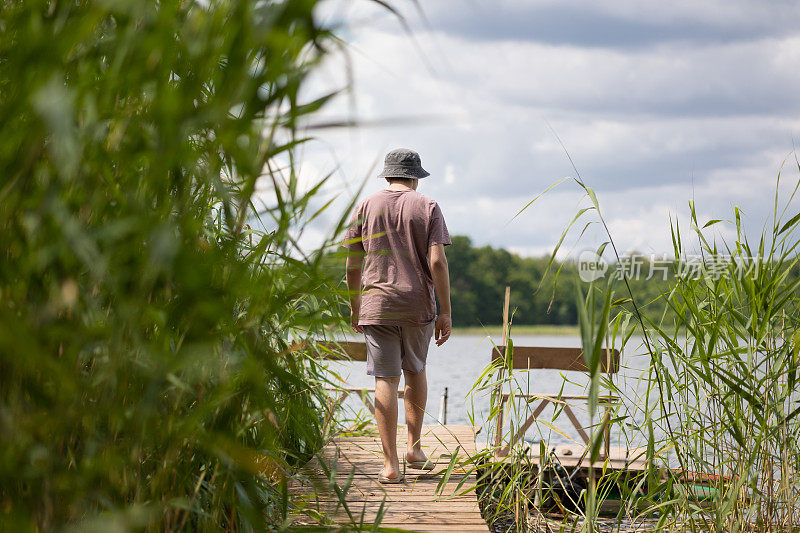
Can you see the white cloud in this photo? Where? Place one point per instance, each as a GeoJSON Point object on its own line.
{"type": "Point", "coordinates": [648, 127]}
{"type": "Point", "coordinates": [449, 174]}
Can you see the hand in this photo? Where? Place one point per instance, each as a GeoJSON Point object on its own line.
{"type": "Point", "coordinates": [354, 322]}
{"type": "Point", "coordinates": [442, 331]}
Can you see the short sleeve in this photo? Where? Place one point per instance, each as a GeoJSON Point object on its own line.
{"type": "Point", "coordinates": [354, 233]}
{"type": "Point", "coordinates": [437, 231]}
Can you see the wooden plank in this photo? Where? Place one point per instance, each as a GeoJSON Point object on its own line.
{"type": "Point", "coordinates": [446, 434]}
{"type": "Point", "coordinates": [372, 432]}
{"type": "Point", "coordinates": [424, 500]}
{"type": "Point", "coordinates": [414, 517]}
{"type": "Point", "coordinates": [420, 505]}
{"type": "Point", "coordinates": [556, 358]}
{"type": "Point", "coordinates": [433, 527]}
{"type": "Point", "coordinates": [343, 350]}
{"type": "Point", "coordinates": [414, 504]}
{"type": "Point", "coordinates": [556, 398]}
{"type": "Point", "coordinates": [368, 463]}
{"type": "Point", "coordinates": [372, 468]}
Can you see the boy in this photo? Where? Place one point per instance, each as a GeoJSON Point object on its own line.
{"type": "Point", "coordinates": [396, 251]}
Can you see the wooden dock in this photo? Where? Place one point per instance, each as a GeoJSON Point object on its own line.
{"type": "Point", "coordinates": [413, 505]}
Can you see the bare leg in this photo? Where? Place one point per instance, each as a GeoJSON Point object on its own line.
{"type": "Point", "coordinates": [416, 396]}
{"type": "Point", "coordinates": [386, 417]}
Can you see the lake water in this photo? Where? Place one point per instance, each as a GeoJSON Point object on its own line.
{"type": "Point", "coordinates": [459, 362]}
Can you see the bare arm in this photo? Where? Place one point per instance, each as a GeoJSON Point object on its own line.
{"type": "Point", "coordinates": [441, 283]}
{"type": "Point", "coordinates": [355, 261]}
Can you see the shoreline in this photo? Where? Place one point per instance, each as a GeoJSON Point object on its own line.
{"type": "Point", "coordinates": [496, 330]}
{"type": "Point", "coordinates": [525, 329]}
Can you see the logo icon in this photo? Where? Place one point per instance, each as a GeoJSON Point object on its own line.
{"type": "Point", "coordinates": [590, 266]}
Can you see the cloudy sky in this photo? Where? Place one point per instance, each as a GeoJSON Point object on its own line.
{"type": "Point", "coordinates": [656, 103]}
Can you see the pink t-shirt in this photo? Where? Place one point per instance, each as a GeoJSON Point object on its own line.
{"type": "Point", "coordinates": [395, 229]}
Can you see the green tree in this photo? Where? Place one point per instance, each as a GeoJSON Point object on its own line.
{"type": "Point", "coordinates": [463, 298]}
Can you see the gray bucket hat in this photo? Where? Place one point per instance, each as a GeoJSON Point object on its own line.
{"type": "Point", "coordinates": [403, 163]}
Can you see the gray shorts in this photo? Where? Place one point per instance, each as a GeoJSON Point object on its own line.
{"type": "Point", "coordinates": [392, 349]}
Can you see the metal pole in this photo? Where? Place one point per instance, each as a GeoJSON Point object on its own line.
{"type": "Point", "coordinates": [443, 408]}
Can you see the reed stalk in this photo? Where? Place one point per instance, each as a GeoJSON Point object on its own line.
{"type": "Point", "coordinates": [717, 409]}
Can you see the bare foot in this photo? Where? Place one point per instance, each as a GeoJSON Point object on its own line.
{"type": "Point", "coordinates": [413, 456]}
{"type": "Point", "coordinates": [391, 471]}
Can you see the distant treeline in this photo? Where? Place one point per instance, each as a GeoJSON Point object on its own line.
{"type": "Point", "coordinates": [479, 275]}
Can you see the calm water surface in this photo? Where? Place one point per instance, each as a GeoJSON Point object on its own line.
{"type": "Point", "coordinates": [459, 362]}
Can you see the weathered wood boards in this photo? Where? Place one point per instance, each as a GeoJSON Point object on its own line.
{"type": "Point", "coordinates": [412, 505]}
{"type": "Point", "coordinates": [557, 358]}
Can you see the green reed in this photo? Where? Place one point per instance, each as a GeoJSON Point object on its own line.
{"type": "Point", "coordinates": [147, 374]}
{"type": "Point", "coordinates": [715, 416]}
{"type": "Point", "coordinates": [730, 381]}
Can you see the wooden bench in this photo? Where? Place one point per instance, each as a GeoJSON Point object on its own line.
{"type": "Point", "coordinates": [553, 358]}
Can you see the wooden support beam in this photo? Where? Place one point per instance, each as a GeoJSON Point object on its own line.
{"type": "Point", "coordinates": [575, 423]}
{"type": "Point", "coordinates": [525, 427]}
{"type": "Point", "coordinates": [498, 437]}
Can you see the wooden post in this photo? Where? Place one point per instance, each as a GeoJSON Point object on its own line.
{"type": "Point", "coordinates": [607, 410]}
{"type": "Point", "coordinates": [607, 431]}
{"type": "Point", "coordinates": [505, 314]}
{"type": "Point", "coordinates": [443, 408]}
{"type": "Point", "coordinates": [498, 438]}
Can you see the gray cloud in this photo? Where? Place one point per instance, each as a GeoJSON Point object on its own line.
{"type": "Point", "coordinates": [688, 99]}
{"type": "Point", "coordinates": [590, 28]}
{"type": "Point", "coordinates": [615, 24]}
